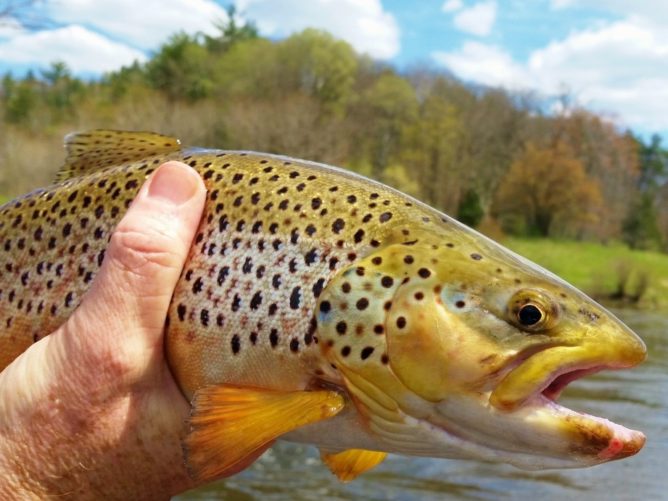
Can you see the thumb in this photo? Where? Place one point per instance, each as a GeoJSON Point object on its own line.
{"type": "Point", "coordinates": [133, 289]}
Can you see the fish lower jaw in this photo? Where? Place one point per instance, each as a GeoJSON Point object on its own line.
{"type": "Point", "coordinates": [596, 439]}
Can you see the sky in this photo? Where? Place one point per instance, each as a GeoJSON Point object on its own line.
{"type": "Point", "coordinates": [610, 56]}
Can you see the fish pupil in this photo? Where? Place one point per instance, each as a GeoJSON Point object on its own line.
{"type": "Point", "coordinates": [529, 315]}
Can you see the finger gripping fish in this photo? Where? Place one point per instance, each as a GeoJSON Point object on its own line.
{"type": "Point", "coordinates": [321, 307]}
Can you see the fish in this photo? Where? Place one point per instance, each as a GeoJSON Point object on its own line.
{"type": "Point", "coordinates": [321, 307]}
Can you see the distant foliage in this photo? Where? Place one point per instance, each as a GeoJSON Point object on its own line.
{"type": "Point", "coordinates": [548, 191]}
{"type": "Point", "coordinates": [470, 210]}
{"type": "Point", "coordinates": [492, 158]}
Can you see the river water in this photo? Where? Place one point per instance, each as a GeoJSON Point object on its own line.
{"type": "Point", "coordinates": [636, 398]}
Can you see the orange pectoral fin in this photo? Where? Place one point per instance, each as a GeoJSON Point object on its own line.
{"type": "Point", "coordinates": [347, 465]}
{"type": "Point", "coordinates": [231, 426]}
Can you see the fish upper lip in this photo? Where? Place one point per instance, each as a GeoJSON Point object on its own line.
{"type": "Point", "coordinates": [622, 442]}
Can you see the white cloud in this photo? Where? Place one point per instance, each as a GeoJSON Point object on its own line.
{"type": "Point", "coordinates": [144, 25]}
{"type": "Point", "coordinates": [362, 23]}
{"type": "Point", "coordinates": [452, 5]}
{"type": "Point", "coordinates": [618, 67]}
{"type": "Point", "coordinates": [478, 19]}
{"type": "Point", "coordinates": [82, 50]}
{"type": "Point", "coordinates": [10, 27]}
{"type": "Point", "coordinates": [561, 4]}
{"type": "Point", "coordinates": [485, 64]}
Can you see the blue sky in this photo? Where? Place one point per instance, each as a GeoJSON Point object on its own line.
{"type": "Point", "coordinates": [610, 55]}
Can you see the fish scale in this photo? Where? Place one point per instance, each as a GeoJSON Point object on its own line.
{"type": "Point", "coordinates": [286, 228]}
{"type": "Point", "coordinates": [273, 232]}
{"type": "Point", "coordinates": [322, 307]}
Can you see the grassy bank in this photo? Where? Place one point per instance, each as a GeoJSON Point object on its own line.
{"type": "Point", "coordinates": [602, 270]}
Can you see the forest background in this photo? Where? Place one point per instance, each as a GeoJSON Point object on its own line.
{"type": "Point", "coordinates": [505, 163]}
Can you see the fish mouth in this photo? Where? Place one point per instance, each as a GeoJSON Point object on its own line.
{"type": "Point", "coordinates": [594, 439]}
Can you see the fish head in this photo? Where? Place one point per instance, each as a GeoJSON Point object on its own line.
{"type": "Point", "coordinates": [462, 351]}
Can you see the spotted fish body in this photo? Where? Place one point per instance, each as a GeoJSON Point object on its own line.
{"type": "Point", "coordinates": [304, 277]}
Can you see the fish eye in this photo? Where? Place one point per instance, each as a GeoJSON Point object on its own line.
{"type": "Point", "coordinates": [532, 310]}
{"type": "Point", "coordinates": [529, 315]}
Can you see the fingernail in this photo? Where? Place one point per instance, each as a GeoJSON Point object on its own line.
{"type": "Point", "coordinates": [173, 183]}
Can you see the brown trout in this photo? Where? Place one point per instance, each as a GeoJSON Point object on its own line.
{"type": "Point", "coordinates": [321, 307]}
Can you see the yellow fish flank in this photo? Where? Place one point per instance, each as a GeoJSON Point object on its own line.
{"type": "Point", "coordinates": [321, 307]}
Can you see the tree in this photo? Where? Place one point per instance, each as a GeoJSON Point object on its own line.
{"type": "Point", "coordinates": [21, 102]}
{"type": "Point", "coordinates": [319, 65]}
{"type": "Point", "coordinates": [231, 32]}
{"type": "Point", "coordinates": [181, 68]}
{"type": "Point", "coordinates": [60, 90]}
{"type": "Point", "coordinates": [609, 157]}
{"type": "Point", "coordinates": [429, 147]}
{"type": "Point", "coordinates": [470, 211]}
{"type": "Point", "coordinates": [386, 108]}
{"type": "Point", "coordinates": [548, 190]}
{"type": "Point", "coordinates": [641, 230]}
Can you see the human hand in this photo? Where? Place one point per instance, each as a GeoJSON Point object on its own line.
{"type": "Point", "coordinates": [92, 410]}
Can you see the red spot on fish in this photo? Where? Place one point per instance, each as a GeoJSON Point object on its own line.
{"type": "Point", "coordinates": [612, 450]}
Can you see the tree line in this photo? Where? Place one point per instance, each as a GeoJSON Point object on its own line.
{"type": "Point", "coordinates": [494, 159]}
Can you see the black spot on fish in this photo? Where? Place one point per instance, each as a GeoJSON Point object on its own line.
{"type": "Point", "coordinates": [222, 274]}
{"type": "Point", "coordinates": [295, 298]}
{"type": "Point", "coordinates": [338, 225]}
{"type": "Point", "coordinates": [256, 300]}
{"type": "Point", "coordinates": [236, 344]}
{"type": "Point", "coordinates": [362, 303]}
{"type": "Point", "coordinates": [424, 272]}
{"type": "Point", "coordinates": [317, 287]}
{"type": "Point", "coordinates": [311, 256]}
{"type": "Point", "coordinates": [366, 352]}
{"type": "Point", "coordinates": [204, 317]}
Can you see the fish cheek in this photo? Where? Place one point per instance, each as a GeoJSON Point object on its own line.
{"type": "Point", "coordinates": [432, 351]}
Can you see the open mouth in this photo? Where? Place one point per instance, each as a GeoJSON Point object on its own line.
{"type": "Point", "coordinates": [531, 383]}
{"type": "Point", "coordinates": [554, 387]}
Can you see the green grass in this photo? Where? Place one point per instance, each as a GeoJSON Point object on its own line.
{"type": "Point", "coordinates": [597, 268]}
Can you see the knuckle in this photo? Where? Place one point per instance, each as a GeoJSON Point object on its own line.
{"type": "Point", "coordinates": [144, 253]}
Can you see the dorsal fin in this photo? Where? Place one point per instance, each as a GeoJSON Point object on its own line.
{"type": "Point", "coordinates": [96, 149]}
